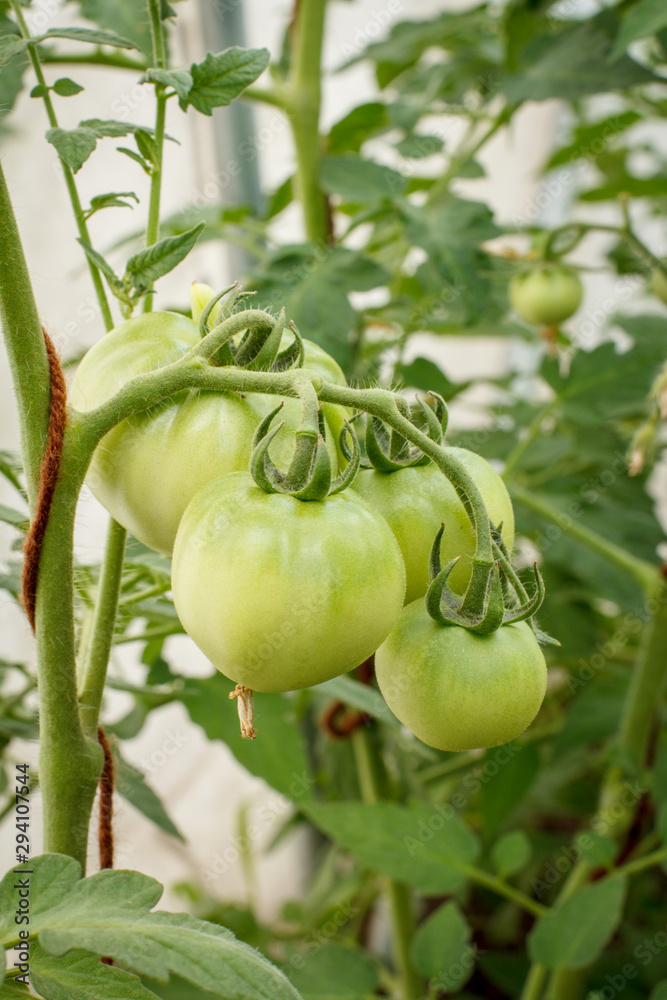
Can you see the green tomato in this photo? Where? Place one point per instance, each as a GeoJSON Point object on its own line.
{"type": "Point", "coordinates": [547, 295]}
{"type": "Point", "coordinates": [456, 690]}
{"type": "Point", "coordinates": [281, 593]}
{"type": "Point", "coordinates": [659, 285]}
{"type": "Point", "coordinates": [416, 501]}
{"type": "Point", "coordinates": [147, 469]}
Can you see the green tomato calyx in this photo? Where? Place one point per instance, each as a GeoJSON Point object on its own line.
{"type": "Point", "coordinates": [258, 348]}
{"type": "Point", "coordinates": [309, 476]}
{"type": "Point", "coordinates": [389, 451]}
{"type": "Point", "coordinates": [494, 596]}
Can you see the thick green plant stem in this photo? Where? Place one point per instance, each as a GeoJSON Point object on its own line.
{"type": "Point", "coordinates": [67, 171]}
{"type": "Point", "coordinates": [69, 763]}
{"type": "Point", "coordinates": [305, 97]}
{"type": "Point", "coordinates": [643, 572]}
{"type": "Point", "coordinates": [398, 894]}
{"type": "Point", "coordinates": [104, 621]}
{"type": "Point", "coordinates": [25, 345]}
{"type": "Point", "coordinates": [160, 62]}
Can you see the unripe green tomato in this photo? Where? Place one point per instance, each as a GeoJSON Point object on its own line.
{"type": "Point", "coordinates": [417, 500]}
{"type": "Point", "coordinates": [659, 285]}
{"type": "Point", "coordinates": [456, 690]}
{"type": "Point", "coordinates": [546, 295]}
{"type": "Point", "coordinates": [281, 593]}
{"type": "Point", "coordinates": [147, 469]}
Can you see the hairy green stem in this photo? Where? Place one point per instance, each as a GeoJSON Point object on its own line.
{"type": "Point", "coordinates": [398, 894]}
{"type": "Point", "coordinates": [25, 345]}
{"type": "Point", "coordinates": [67, 170]}
{"type": "Point", "coordinates": [103, 624]}
{"type": "Point", "coordinates": [643, 572]}
{"type": "Point", "coordinates": [304, 103]}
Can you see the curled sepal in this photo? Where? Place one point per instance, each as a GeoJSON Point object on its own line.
{"type": "Point", "coordinates": [213, 308]}
{"type": "Point", "coordinates": [448, 608]}
{"type": "Point", "coordinates": [529, 607]}
{"type": "Point", "coordinates": [292, 356]}
{"type": "Point", "coordinates": [386, 450]}
{"type": "Point", "coordinates": [435, 417]}
{"type": "Point", "coordinates": [258, 347]}
{"type": "Point", "coordinates": [309, 474]}
{"type": "Point", "coordinates": [353, 457]}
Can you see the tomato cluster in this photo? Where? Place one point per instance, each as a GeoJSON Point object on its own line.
{"type": "Point", "coordinates": [282, 593]}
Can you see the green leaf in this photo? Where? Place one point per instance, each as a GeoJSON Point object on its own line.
{"type": "Point", "coordinates": [113, 199]}
{"type": "Point", "coordinates": [427, 846]}
{"type": "Point", "coordinates": [636, 187]}
{"type": "Point", "coordinates": [92, 35]}
{"type": "Point", "coordinates": [65, 87]}
{"type": "Point", "coordinates": [416, 146]}
{"type": "Point", "coordinates": [11, 45]}
{"type": "Point", "coordinates": [426, 376]}
{"type": "Point", "coordinates": [590, 140]}
{"type": "Point", "coordinates": [508, 783]}
{"type": "Point", "coordinates": [357, 180]}
{"type": "Point", "coordinates": [647, 17]}
{"type": "Point", "coordinates": [334, 972]}
{"type": "Point", "coordinates": [220, 78]}
{"type": "Point", "coordinates": [146, 167]}
{"type": "Point", "coordinates": [79, 976]}
{"type": "Point", "coordinates": [440, 948]}
{"type": "Point", "coordinates": [124, 17]}
{"type": "Point", "coordinates": [573, 934]}
{"type": "Point", "coordinates": [595, 848]}
{"type": "Point", "coordinates": [360, 696]}
{"type": "Point", "coordinates": [14, 517]}
{"type": "Point", "coordinates": [132, 785]}
{"type": "Point", "coordinates": [279, 757]}
{"type": "Point", "coordinates": [659, 991]}
{"type": "Point", "coordinates": [157, 944]}
{"type": "Point", "coordinates": [179, 79]}
{"type": "Point", "coordinates": [148, 265]}
{"type": "Point", "coordinates": [52, 876]}
{"type": "Point", "coordinates": [573, 64]}
{"type": "Point", "coordinates": [103, 127]}
{"type": "Point", "coordinates": [10, 990]}
{"type": "Point", "coordinates": [74, 146]}
{"type": "Point", "coordinates": [98, 260]}
{"type": "Point", "coordinates": [511, 853]}
{"type": "Point", "coordinates": [349, 134]}
{"type": "Point", "coordinates": [11, 467]}
{"type": "Point", "coordinates": [280, 199]}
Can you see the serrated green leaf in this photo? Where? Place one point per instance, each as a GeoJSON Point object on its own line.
{"type": "Point", "coordinates": [132, 785]}
{"type": "Point", "coordinates": [157, 944]}
{"type": "Point", "coordinates": [98, 260]}
{"type": "Point", "coordinates": [573, 64]}
{"type": "Point", "coordinates": [647, 17]}
{"type": "Point", "coordinates": [223, 76]}
{"type": "Point", "coordinates": [573, 934]}
{"type": "Point", "coordinates": [440, 947]}
{"type": "Point", "coordinates": [511, 853]}
{"type": "Point", "coordinates": [426, 376]}
{"type": "Point", "coordinates": [358, 180]}
{"type": "Point", "coordinates": [179, 79]}
{"type": "Point", "coordinates": [92, 35]}
{"type": "Point", "coordinates": [51, 878]}
{"type": "Point", "coordinates": [146, 167]}
{"type": "Point", "coordinates": [427, 846]}
{"type": "Point", "coordinates": [80, 976]}
{"type": "Point", "coordinates": [65, 87]}
{"type": "Point", "coordinates": [112, 199]}
{"type": "Point", "coordinates": [74, 146]}
{"type": "Point", "coordinates": [11, 990]}
{"type": "Point", "coordinates": [334, 972]}
{"type": "Point", "coordinates": [148, 265]}
{"type": "Point", "coordinates": [125, 17]}
{"type": "Point", "coordinates": [103, 127]}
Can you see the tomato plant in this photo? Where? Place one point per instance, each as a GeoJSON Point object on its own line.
{"type": "Point", "coordinates": [546, 295]}
{"type": "Point", "coordinates": [309, 588]}
{"type": "Point", "coordinates": [456, 690]}
{"type": "Point", "coordinates": [369, 210]}
{"type": "Point", "coordinates": [415, 501]}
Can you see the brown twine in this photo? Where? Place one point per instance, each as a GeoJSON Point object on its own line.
{"type": "Point", "coordinates": [337, 720]}
{"type": "Point", "coordinates": [32, 547]}
{"type": "Point", "coordinates": [105, 828]}
{"type": "Point", "coordinates": [47, 481]}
